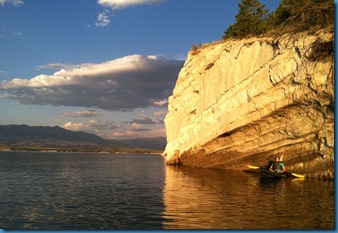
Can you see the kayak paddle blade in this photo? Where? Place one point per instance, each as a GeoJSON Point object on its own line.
{"type": "Point", "coordinates": [298, 175]}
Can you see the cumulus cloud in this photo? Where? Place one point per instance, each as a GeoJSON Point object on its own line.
{"type": "Point", "coordinates": [123, 84]}
{"type": "Point", "coordinates": [13, 2]}
{"type": "Point", "coordinates": [119, 4]}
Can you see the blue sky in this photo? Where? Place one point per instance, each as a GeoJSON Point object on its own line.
{"type": "Point", "coordinates": [101, 66]}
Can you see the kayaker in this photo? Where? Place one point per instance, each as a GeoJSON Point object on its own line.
{"type": "Point", "coordinates": [277, 165]}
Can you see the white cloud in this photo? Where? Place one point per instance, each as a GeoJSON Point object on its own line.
{"type": "Point", "coordinates": [13, 2]}
{"type": "Point", "coordinates": [103, 19]}
{"type": "Point", "coordinates": [119, 4]}
{"type": "Point", "coordinates": [74, 126]}
{"type": "Point", "coordinates": [55, 66]}
{"type": "Point", "coordinates": [123, 84]}
{"type": "Point", "coordinates": [160, 103]}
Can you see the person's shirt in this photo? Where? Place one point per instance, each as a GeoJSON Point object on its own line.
{"type": "Point", "coordinates": [278, 166]}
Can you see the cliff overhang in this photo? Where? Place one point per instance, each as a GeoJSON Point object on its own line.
{"type": "Point", "coordinates": [245, 101]}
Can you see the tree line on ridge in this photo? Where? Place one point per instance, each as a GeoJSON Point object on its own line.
{"type": "Point", "coordinates": [290, 16]}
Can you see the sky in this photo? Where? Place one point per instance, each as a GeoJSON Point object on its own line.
{"type": "Point", "coordinates": [101, 66]}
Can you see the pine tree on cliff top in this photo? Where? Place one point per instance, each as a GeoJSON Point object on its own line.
{"type": "Point", "coordinates": [290, 16]}
{"type": "Point", "coordinates": [250, 21]}
{"type": "Point", "coordinates": [301, 15]}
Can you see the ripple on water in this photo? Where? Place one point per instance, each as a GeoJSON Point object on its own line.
{"type": "Point", "coordinates": [93, 191]}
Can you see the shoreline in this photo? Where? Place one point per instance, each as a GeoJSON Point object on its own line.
{"type": "Point", "coordinates": [136, 151]}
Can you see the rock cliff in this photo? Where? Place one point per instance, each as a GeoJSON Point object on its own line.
{"type": "Point", "coordinates": [245, 101]}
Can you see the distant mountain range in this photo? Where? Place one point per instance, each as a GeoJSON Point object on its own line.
{"type": "Point", "coordinates": [24, 137]}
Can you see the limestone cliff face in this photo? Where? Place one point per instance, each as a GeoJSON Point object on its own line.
{"type": "Point", "coordinates": [244, 102]}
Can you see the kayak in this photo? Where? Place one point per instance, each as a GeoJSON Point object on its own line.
{"type": "Point", "coordinates": [269, 174]}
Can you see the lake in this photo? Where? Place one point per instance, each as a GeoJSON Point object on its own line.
{"type": "Point", "coordinates": [139, 191]}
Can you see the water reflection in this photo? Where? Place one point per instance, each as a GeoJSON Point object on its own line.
{"type": "Point", "coordinates": [214, 199]}
{"type": "Point", "coordinates": [205, 199]}
{"type": "Point", "coordinates": [93, 191]}
{"type": "Point", "coordinates": [81, 191]}
{"type": "Point", "coordinates": [277, 185]}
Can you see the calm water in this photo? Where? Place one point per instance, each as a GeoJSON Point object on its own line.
{"type": "Point", "coordinates": [114, 191]}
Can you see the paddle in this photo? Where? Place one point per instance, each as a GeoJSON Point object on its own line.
{"type": "Point", "coordinates": [294, 174]}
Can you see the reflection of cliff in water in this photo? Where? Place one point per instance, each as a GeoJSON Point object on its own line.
{"type": "Point", "coordinates": [218, 199]}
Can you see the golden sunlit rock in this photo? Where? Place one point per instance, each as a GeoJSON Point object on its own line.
{"type": "Point", "coordinates": [245, 101]}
